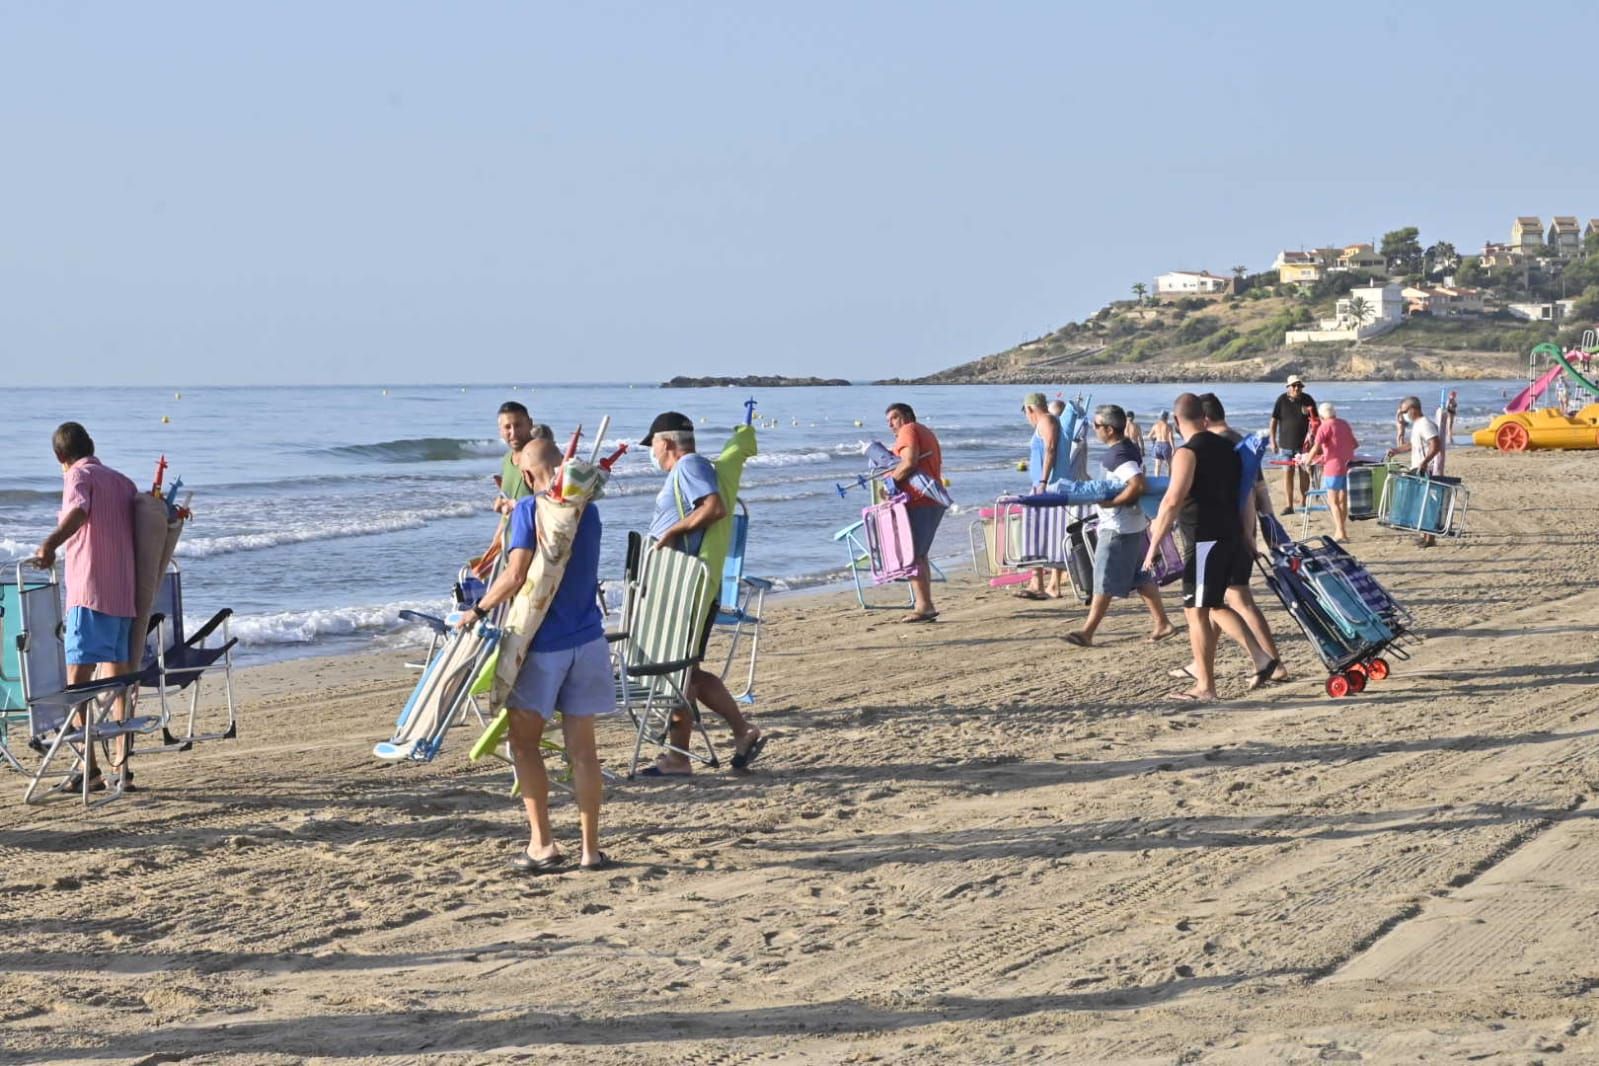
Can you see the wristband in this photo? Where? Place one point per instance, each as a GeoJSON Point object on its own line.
{"type": "Point", "coordinates": [480, 612]}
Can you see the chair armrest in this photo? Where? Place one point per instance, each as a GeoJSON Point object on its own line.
{"type": "Point", "coordinates": [758, 583]}
{"type": "Point", "coordinates": [155, 622]}
{"type": "Point", "coordinates": [612, 638]}
{"type": "Point", "coordinates": [656, 669]}
{"type": "Point", "coordinates": [847, 530]}
{"type": "Point", "coordinates": [435, 624]}
{"type": "Point", "coordinates": [206, 630]}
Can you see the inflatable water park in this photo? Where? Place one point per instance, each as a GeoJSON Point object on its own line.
{"type": "Point", "coordinates": [1559, 408]}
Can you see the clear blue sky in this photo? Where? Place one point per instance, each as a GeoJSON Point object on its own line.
{"type": "Point", "coordinates": [356, 192]}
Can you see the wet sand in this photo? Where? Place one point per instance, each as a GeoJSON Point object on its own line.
{"type": "Point", "coordinates": [966, 842]}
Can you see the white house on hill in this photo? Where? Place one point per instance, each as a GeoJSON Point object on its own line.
{"type": "Point", "coordinates": [1191, 283]}
{"type": "Point", "coordinates": [1381, 308]}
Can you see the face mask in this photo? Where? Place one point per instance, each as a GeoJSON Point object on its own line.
{"type": "Point", "coordinates": [655, 462]}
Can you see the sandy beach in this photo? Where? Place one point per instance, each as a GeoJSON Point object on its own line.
{"type": "Point", "coordinates": [966, 842]}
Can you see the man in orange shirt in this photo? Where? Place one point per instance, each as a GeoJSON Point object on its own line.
{"type": "Point", "coordinates": [918, 453]}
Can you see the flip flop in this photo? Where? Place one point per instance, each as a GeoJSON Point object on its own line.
{"type": "Point", "coordinates": [1263, 675]}
{"type": "Point", "coordinates": [1031, 594]}
{"type": "Point", "coordinates": [1182, 673]}
{"type": "Point", "coordinates": [527, 864]}
{"type": "Point", "coordinates": [604, 862]}
{"type": "Point", "coordinates": [1076, 640]}
{"type": "Point", "coordinates": [913, 618]}
{"type": "Point", "coordinates": [742, 759]}
{"type": "Point", "coordinates": [656, 771]}
{"type": "Point", "coordinates": [1186, 697]}
{"type": "Point", "coordinates": [1172, 632]}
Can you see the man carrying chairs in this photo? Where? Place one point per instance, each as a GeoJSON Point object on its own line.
{"type": "Point", "coordinates": [689, 505]}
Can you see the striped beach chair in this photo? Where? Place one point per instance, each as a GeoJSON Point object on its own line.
{"type": "Point", "coordinates": [659, 649]}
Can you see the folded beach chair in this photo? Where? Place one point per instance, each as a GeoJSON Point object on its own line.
{"type": "Point", "coordinates": [173, 662]}
{"type": "Point", "coordinates": [889, 546]}
{"type": "Point", "coordinates": [738, 612]}
{"type": "Point", "coordinates": [443, 694]}
{"type": "Point", "coordinates": [661, 646]}
{"type": "Point", "coordinates": [1082, 538]}
{"type": "Point", "coordinates": [13, 708]}
{"type": "Point", "coordinates": [1423, 504]}
{"type": "Point", "coordinates": [53, 705]}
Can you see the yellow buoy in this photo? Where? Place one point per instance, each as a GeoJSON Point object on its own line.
{"type": "Point", "coordinates": [165, 419]}
{"type": "Point", "coordinates": [858, 423]}
{"type": "Point", "coordinates": [177, 395]}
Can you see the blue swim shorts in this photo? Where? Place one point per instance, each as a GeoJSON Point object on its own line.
{"type": "Point", "coordinates": [93, 637]}
{"type": "Point", "coordinates": [576, 682]}
{"type": "Point", "coordinates": [924, 524]}
{"type": "Point", "coordinates": [1337, 482]}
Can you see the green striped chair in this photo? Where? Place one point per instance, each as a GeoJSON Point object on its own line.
{"type": "Point", "coordinates": [661, 647]}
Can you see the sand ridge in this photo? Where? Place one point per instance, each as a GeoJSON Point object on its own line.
{"type": "Point", "coordinates": [966, 842]}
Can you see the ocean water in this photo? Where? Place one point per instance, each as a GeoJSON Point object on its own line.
{"type": "Point", "coordinates": [321, 513]}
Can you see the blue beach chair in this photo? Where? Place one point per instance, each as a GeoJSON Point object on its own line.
{"type": "Point", "coordinates": [739, 608]}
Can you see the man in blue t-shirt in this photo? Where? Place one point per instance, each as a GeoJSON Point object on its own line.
{"type": "Point", "coordinates": [568, 668]}
{"type": "Point", "coordinates": [689, 503]}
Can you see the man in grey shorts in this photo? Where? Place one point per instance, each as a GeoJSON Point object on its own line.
{"type": "Point", "coordinates": [567, 669]}
{"type": "Point", "coordinates": [1122, 527]}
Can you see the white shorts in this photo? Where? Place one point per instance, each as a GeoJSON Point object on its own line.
{"type": "Point", "coordinates": [576, 681]}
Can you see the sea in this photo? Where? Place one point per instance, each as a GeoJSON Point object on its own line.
{"type": "Point", "coordinates": [320, 513]}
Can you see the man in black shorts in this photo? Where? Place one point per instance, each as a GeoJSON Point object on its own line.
{"type": "Point", "coordinates": [1290, 424]}
{"type": "Point", "coordinates": [1205, 470]}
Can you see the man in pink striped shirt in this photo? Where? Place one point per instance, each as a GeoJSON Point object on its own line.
{"type": "Point", "coordinates": [96, 528]}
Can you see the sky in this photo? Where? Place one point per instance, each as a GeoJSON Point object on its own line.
{"type": "Point", "coordinates": [329, 193]}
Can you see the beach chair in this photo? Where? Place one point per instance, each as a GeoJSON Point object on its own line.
{"type": "Point", "coordinates": [443, 694]}
{"type": "Point", "coordinates": [1420, 503]}
{"type": "Point", "coordinates": [738, 613]}
{"type": "Point", "coordinates": [659, 649]}
{"type": "Point", "coordinates": [65, 721]}
{"type": "Point", "coordinates": [173, 662]}
{"type": "Point", "coordinates": [13, 708]}
{"type": "Point", "coordinates": [1082, 539]}
{"type": "Point", "coordinates": [889, 546]}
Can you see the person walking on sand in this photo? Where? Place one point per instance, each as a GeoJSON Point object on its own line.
{"type": "Point", "coordinates": [1121, 530]}
{"type": "Point", "coordinates": [1265, 662]}
{"type": "Point", "coordinates": [1290, 425]}
{"type": "Point", "coordinates": [1205, 470]}
{"type": "Point", "coordinates": [1161, 443]}
{"type": "Point", "coordinates": [95, 526]}
{"type": "Point", "coordinates": [1046, 466]}
{"type": "Point", "coordinates": [689, 503]}
{"type": "Point", "coordinates": [1334, 447]}
{"type": "Point", "coordinates": [1426, 449]}
{"type": "Point", "coordinates": [919, 453]}
{"type": "Point", "coordinates": [568, 669]}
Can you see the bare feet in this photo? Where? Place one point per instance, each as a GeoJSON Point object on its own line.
{"type": "Point", "coordinates": [1193, 696]}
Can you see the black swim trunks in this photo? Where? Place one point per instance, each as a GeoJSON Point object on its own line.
{"type": "Point", "coordinates": [1208, 569]}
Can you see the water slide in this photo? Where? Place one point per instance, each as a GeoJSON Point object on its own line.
{"type": "Point", "coordinates": [1577, 375]}
{"type": "Point", "coordinates": [1530, 395]}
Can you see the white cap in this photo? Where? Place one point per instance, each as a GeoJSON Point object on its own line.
{"type": "Point", "coordinates": [1294, 379]}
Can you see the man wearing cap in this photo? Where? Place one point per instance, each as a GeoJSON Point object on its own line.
{"type": "Point", "coordinates": [1290, 425]}
{"type": "Point", "coordinates": [689, 503]}
{"type": "Point", "coordinates": [1046, 464]}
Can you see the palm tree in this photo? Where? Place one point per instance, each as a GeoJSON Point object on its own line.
{"type": "Point", "coordinates": [1139, 290]}
{"type": "Point", "coordinates": [1359, 310]}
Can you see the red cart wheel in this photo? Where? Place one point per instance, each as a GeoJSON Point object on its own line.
{"type": "Point", "coordinates": [1512, 437]}
{"type": "Point", "coordinates": [1337, 686]}
{"type": "Point", "coordinates": [1378, 669]}
{"type": "Point", "coordinates": [1357, 681]}
{"type": "Point", "coordinates": [1356, 668]}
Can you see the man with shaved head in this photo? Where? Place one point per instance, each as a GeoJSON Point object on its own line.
{"type": "Point", "coordinates": [567, 669]}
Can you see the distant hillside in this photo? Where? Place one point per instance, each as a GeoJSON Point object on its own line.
{"type": "Point", "coordinates": [1240, 338]}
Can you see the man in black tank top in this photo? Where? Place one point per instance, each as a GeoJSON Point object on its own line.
{"type": "Point", "coordinates": [1205, 476]}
